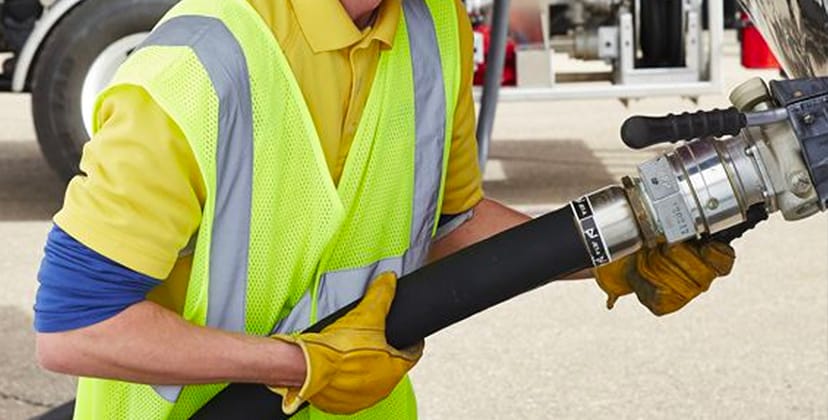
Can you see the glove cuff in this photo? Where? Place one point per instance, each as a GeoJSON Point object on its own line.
{"type": "Point", "coordinates": [610, 278]}
{"type": "Point", "coordinates": [293, 398]}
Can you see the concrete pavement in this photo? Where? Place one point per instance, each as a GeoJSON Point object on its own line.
{"type": "Point", "coordinates": [755, 346]}
{"type": "Point", "coordinates": [29, 195]}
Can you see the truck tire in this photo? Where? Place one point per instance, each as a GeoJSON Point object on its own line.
{"type": "Point", "coordinates": [76, 61]}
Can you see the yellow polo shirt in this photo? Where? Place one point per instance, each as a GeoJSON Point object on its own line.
{"type": "Point", "coordinates": [140, 197]}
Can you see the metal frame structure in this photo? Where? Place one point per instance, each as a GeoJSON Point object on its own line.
{"type": "Point", "coordinates": [491, 92]}
{"type": "Point", "coordinates": [496, 56]}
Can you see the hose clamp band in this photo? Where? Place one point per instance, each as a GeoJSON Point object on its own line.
{"type": "Point", "coordinates": [595, 244]}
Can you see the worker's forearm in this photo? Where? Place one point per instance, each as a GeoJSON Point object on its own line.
{"type": "Point", "coordinates": [489, 218]}
{"type": "Point", "coordinates": [147, 343]}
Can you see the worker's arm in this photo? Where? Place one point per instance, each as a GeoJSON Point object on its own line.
{"type": "Point", "coordinates": [147, 343]}
{"type": "Point", "coordinates": [93, 320]}
{"type": "Point", "coordinates": [123, 223]}
{"type": "Point", "coordinates": [488, 218]}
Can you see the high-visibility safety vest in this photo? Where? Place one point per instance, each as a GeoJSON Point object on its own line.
{"type": "Point", "coordinates": [280, 245]}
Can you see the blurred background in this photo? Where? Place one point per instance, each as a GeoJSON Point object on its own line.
{"type": "Point", "coordinates": [755, 346]}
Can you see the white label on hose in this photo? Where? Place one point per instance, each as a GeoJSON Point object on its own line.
{"type": "Point", "coordinates": [593, 239]}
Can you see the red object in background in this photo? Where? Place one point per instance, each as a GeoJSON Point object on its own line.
{"type": "Point", "coordinates": [509, 66]}
{"type": "Point", "coordinates": [755, 51]}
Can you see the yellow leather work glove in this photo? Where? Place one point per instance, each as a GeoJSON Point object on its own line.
{"type": "Point", "coordinates": [350, 366]}
{"type": "Point", "coordinates": [666, 278]}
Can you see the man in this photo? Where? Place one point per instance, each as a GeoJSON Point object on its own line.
{"type": "Point", "coordinates": [255, 165]}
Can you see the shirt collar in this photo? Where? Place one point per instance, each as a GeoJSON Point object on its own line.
{"type": "Point", "coordinates": [328, 27]}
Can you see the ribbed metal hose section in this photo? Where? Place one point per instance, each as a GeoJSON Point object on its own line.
{"type": "Point", "coordinates": [444, 293]}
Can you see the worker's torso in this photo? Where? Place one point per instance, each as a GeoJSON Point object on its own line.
{"type": "Point", "coordinates": [281, 242]}
{"type": "Point", "coordinates": [334, 66]}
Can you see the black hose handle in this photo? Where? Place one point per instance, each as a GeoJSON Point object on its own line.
{"type": "Point", "coordinates": [639, 132]}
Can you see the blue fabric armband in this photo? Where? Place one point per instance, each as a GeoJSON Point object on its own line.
{"type": "Point", "coordinates": [80, 287]}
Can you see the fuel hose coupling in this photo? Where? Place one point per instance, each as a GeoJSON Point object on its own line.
{"type": "Point", "coordinates": [608, 224]}
{"type": "Point", "coordinates": [700, 188]}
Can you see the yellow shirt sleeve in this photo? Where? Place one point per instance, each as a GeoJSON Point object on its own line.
{"type": "Point", "coordinates": [464, 183]}
{"type": "Point", "coordinates": [139, 197]}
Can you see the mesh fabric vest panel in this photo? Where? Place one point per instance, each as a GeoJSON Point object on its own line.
{"type": "Point", "coordinates": [301, 224]}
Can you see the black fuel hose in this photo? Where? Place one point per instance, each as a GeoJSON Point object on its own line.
{"type": "Point", "coordinates": [444, 293]}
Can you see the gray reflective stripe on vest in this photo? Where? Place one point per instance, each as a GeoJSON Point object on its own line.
{"type": "Point", "coordinates": [453, 224]}
{"type": "Point", "coordinates": [430, 128]}
{"type": "Point", "coordinates": [336, 289]}
{"type": "Point", "coordinates": [339, 288]}
{"type": "Point", "coordinates": [223, 60]}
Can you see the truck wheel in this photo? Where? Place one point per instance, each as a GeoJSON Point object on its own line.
{"type": "Point", "coordinates": [77, 60]}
